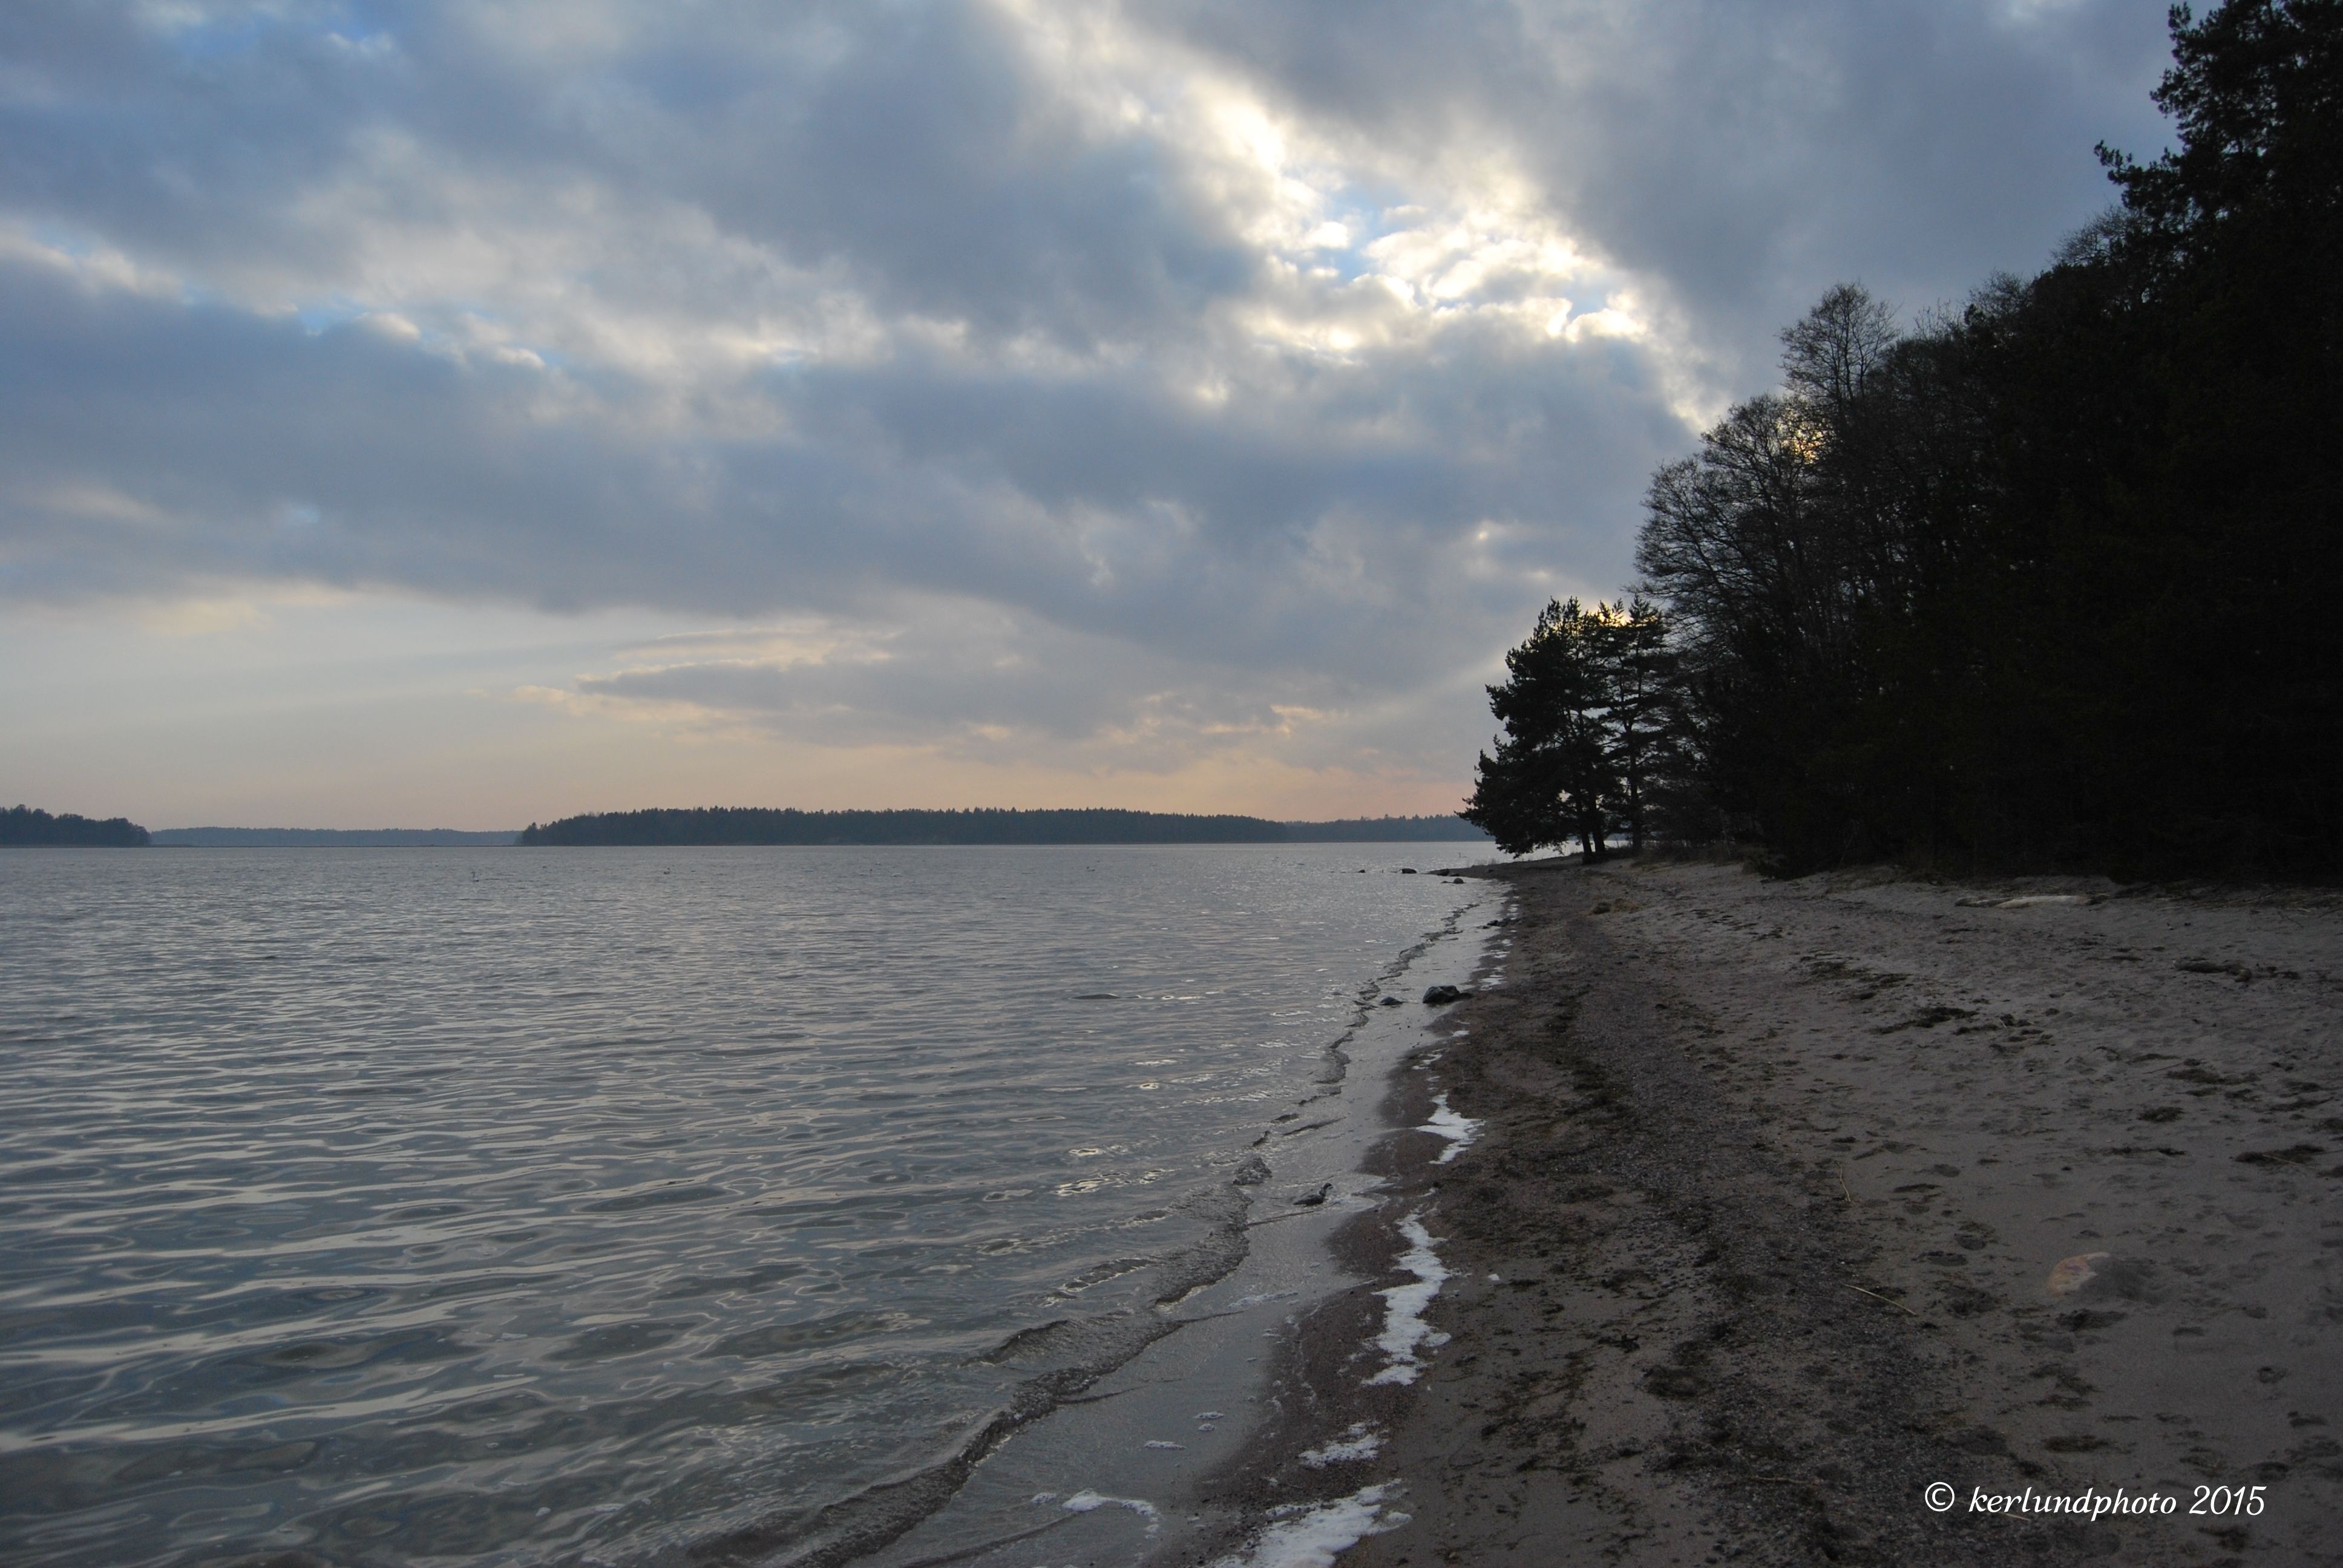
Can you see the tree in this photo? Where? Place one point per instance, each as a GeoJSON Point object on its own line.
{"type": "Point", "coordinates": [2049, 581]}
{"type": "Point", "coordinates": [2253, 90]}
{"type": "Point", "coordinates": [1589, 712]}
{"type": "Point", "coordinates": [1643, 725]}
{"type": "Point", "coordinates": [27, 825]}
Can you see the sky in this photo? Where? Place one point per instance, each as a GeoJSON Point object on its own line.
{"type": "Point", "coordinates": [469, 414]}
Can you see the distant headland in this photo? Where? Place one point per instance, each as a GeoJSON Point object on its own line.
{"type": "Point", "coordinates": [27, 826]}
{"type": "Point", "coordinates": [710, 825]}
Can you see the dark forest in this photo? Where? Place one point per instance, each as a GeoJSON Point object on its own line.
{"type": "Point", "coordinates": [27, 826]}
{"type": "Point", "coordinates": [2048, 580]}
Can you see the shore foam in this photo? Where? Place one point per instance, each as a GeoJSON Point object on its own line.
{"type": "Point", "coordinates": [1405, 1332]}
{"type": "Point", "coordinates": [1314, 1538]}
{"type": "Point", "coordinates": [1459, 1129]}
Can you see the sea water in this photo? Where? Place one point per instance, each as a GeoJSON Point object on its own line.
{"type": "Point", "coordinates": [508, 1205]}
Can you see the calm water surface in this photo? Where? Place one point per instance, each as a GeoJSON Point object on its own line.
{"type": "Point", "coordinates": [512, 1205]}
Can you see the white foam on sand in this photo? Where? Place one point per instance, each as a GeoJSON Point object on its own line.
{"type": "Point", "coordinates": [1459, 1129]}
{"type": "Point", "coordinates": [1088, 1502]}
{"type": "Point", "coordinates": [1243, 1302]}
{"type": "Point", "coordinates": [1405, 1330]}
{"type": "Point", "coordinates": [1361, 1441]}
{"type": "Point", "coordinates": [1314, 1538]}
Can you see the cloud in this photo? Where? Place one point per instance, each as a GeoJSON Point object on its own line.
{"type": "Point", "coordinates": [963, 682]}
{"type": "Point", "coordinates": [1266, 521]}
{"type": "Point", "coordinates": [1124, 379]}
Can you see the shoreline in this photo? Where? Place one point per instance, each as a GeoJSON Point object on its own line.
{"type": "Point", "coordinates": [1109, 1472]}
{"type": "Point", "coordinates": [1791, 1199]}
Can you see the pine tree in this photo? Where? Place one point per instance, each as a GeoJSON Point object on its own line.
{"type": "Point", "coordinates": [1589, 716]}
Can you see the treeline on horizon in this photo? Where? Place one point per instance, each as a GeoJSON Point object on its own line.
{"type": "Point", "coordinates": [710, 825]}
{"type": "Point", "coordinates": [27, 826]}
{"type": "Point", "coordinates": [2050, 580]}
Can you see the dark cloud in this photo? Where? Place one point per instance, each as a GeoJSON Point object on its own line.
{"type": "Point", "coordinates": [1745, 155]}
{"type": "Point", "coordinates": [146, 438]}
{"type": "Point", "coordinates": [1245, 360]}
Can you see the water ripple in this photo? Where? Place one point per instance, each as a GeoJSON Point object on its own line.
{"type": "Point", "coordinates": [512, 1205]}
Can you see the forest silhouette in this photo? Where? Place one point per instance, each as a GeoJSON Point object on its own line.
{"type": "Point", "coordinates": [29, 827]}
{"type": "Point", "coordinates": [2050, 580]}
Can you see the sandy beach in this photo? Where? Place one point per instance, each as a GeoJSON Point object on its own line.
{"type": "Point", "coordinates": [1785, 1202]}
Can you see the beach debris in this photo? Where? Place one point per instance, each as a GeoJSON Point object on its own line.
{"type": "Point", "coordinates": [1441, 995]}
{"type": "Point", "coordinates": [1311, 1199]}
{"type": "Point", "coordinates": [1459, 1129]}
{"type": "Point", "coordinates": [2210, 967]}
{"type": "Point", "coordinates": [2025, 901]}
{"type": "Point", "coordinates": [1315, 1537]}
{"type": "Point", "coordinates": [1159, 1442]}
{"type": "Point", "coordinates": [1389, 1001]}
{"type": "Point", "coordinates": [1251, 1173]}
{"type": "Point", "coordinates": [1405, 1332]}
{"type": "Point", "coordinates": [1926, 1018]}
{"type": "Point", "coordinates": [2301, 1154]}
{"type": "Point", "coordinates": [2099, 1276]}
{"type": "Point", "coordinates": [2071, 1274]}
{"type": "Point", "coordinates": [1891, 1301]}
{"type": "Point", "coordinates": [1361, 1441]}
{"type": "Point", "coordinates": [1210, 1415]}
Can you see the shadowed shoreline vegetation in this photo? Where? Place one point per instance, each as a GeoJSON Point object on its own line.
{"type": "Point", "coordinates": [27, 826]}
{"type": "Point", "coordinates": [2050, 580]}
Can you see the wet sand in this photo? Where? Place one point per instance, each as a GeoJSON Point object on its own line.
{"type": "Point", "coordinates": [1100, 1466]}
{"type": "Point", "coordinates": [1789, 1200]}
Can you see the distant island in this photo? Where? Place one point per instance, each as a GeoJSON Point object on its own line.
{"type": "Point", "coordinates": [751, 825]}
{"type": "Point", "coordinates": [329, 838]}
{"type": "Point", "coordinates": [27, 827]}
